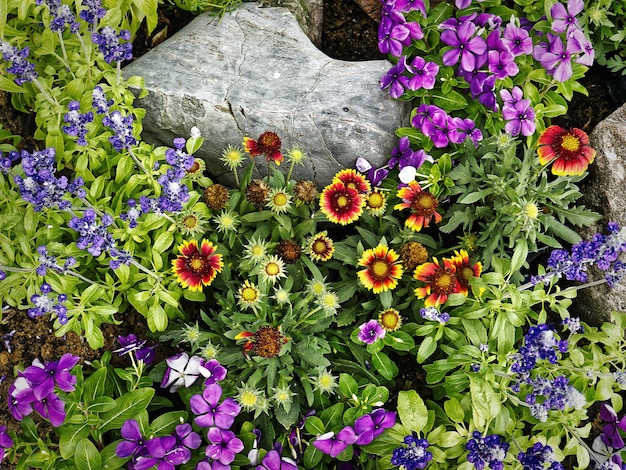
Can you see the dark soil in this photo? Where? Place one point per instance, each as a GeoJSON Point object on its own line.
{"type": "Point", "coordinates": [348, 34]}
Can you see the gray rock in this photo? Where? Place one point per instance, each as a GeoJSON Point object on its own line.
{"type": "Point", "coordinates": [605, 192]}
{"type": "Point", "coordinates": [256, 71]}
{"type": "Point", "coordinates": [308, 13]}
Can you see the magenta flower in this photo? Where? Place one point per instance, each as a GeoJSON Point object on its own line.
{"type": "Point", "coordinates": [5, 441]}
{"type": "Point", "coordinates": [520, 118]}
{"type": "Point", "coordinates": [565, 19]}
{"type": "Point", "coordinates": [43, 377]}
{"type": "Point", "coordinates": [51, 407]}
{"type": "Point", "coordinates": [370, 426]}
{"type": "Point", "coordinates": [187, 437]}
{"type": "Point", "coordinates": [464, 44]}
{"type": "Point", "coordinates": [425, 74]}
{"type": "Point", "coordinates": [209, 412]}
{"type": "Point", "coordinates": [162, 451]}
{"type": "Point", "coordinates": [133, 443]}
{"type": "Point", "coordinates": [391, 41]}
{"type": "Point", "coordinates": [274, 461]}
{"type": "Point", "coordinates": [502, 64]}
{"type": "Point", "coordinates": [585, 47]}
{"type": "Point", "coordinates": [509, 98]}
{"type": "Point", "coordinates": [395, 80]}
{"type": "Point", "coordinates": [224, 445]}
{"type": "Point", "coordinates": [556, 57]}
{"type": "Point", "coordinates": [217, 371]}
{"type": "Point", "coordinates": [518, 40]}
{"type": "Point", "coordinates": [334, 444]}
{"type": "Point", "coordinates": [425, 116]}
{"type": "Point", "coordinates": [462, 128]}
{"type": "Point", "coordinates": [21, 398]}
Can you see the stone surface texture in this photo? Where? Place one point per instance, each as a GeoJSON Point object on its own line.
{"type": "Point", "coordinates": [605, 192]}
{"type": "Point", "coordinates": [256, 71]}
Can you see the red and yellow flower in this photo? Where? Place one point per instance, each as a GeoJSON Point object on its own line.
{"type": "Point", "coordinates": [382, 269]}
{"type": "Point", "coordinates": [267, 144]}
{"type": "Point", "coordinates": [353, 179]}
{"type": "Point", "coordinates": [569, 149]}
{"type": "Point", "coordinates": [464, 270]}
{"type": "Point", "coordinates": [341, 204]}
{"type": "Point", "coordinates": [440, 280]}
{"type": "Point", "coordinates": [422, 203]}
{"type": "Point", "coordinates": [320, 247]}
{"type": "Point", "coordinates": [197, 267]}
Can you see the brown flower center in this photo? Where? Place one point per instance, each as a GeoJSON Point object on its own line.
{"type": "Point", "coordinates": [424, 204]}
{"type": "Point", "coordinates": [268, 341]}
{"type": "Point", "coordinates": [269, 142]}
{"type": "Point", "coordinates": [194, 168]}
{"type": "Point", "coordinates": [464, 275]}
{"type": "Point", "coordinates": [443, 281]}
{"type": "Point", "coordinates": [191, 221]}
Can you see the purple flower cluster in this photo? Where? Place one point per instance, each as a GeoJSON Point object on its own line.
{"type": "Point", "coordinates": [602, 251]}
{"type": "Point", "coordinates": [77, 122]}
{"type": "Point", "coordinates": [44, 304]}
{"type": "Point", "coordinates": [414, 455]}
{"type": "Point", "coordinates": [34, 388]}
{"type": "Point", "coordinates": [165, 451]}
{"type": "Point", "coordinates": [61, 15]}
{"type": "Point", "coordinates": [394, 32]}
{"type": "Point", "coordinates": [41, 187]}
{"type": "Point", "coordinates": [130, 344]}
{"type": "Point", "coordinates": [5, 441]}
{"type": "Point", "coordinates": [442, 128]}
{"type": "Point", "coordinates": [122, 127]}
{"type": "Point", "coordinates": [554, 394]}
{"type": "Point", "coordinates": [22, 68]}
{"type": "Point", "coordinates": [93, 234]}
{"type": "Point", "coordinates": [99, 100]}
{"type": "Point", "coordinates": [539, 457]}
{"type": "Point", "coordinates": [7, 160]}
{"type": "Point", "coordinates": [366, 428]}
{"type": "Point", "coordinates": [557, 54]}
{"type": "Point", "coordinates": [274, 461]}
{"type": "Point", "coordinates": [108, 42]}
{"type": "Point", "coordinates": [431, 313]}
{"type": "Point", "coordinates": [517, 112]}
{"type": "Point", "coordinates": [540, 343]}
{"type": "Point", "coordinates": [421, 74]}
{"type": "Point", "coordinates": [93, 12]}
{"type": "Point", "coordinates": [489, 450]}
{"type": "Point", "coordinates": [371, 331]}
{"type": "Point", "coordinates": [47, 261]}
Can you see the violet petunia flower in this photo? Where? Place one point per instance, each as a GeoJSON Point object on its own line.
{"type": "Point", "coordinates": [43, 377]}
{"type": "Point", "coordinates": [520, 118]}
{"type": "Point", "coordinates": [391, 41]}
{"type": "Point", "coordinates": [161, 451]}
{"type": "Point", "coordinates": [5, 441]}
{"type": "Point", "coordinates": [395, 80]}
{"type": "Point", "coordinates": [462, 128]}
{"type": "Point", "coordinates": [556, 57]}
{"type": "Point", "coordinates": [209, 412]}
{"type": "Point", "coordinates": [564, 19]}
{"type": "Point", "coordinates": [274, 461]}
{"type": "Point", "coordinates": [224, 445]}
{"type": "Point", "coordinates": [585, 48]}
{"type": "Point", "coordinates": [51, 407]}
{"type": "Point", "coordinates": [370, 426]}
{"type": "Point", "coordinates": [133, 443]}
{"type": "Point", "coordinates": [187, 437]}
{"type": "Point", "coordinates": [371, 331]}
{"type": "Point", "coordinates": [215, 369]}
{"type": "Point", "coordinates": [502, 64]}
{"type": "Point", "coordinates": [374, 175]}
{"type": "Point", "coordinates": [424, 118]}
{"type": "Point", "coordinates": [517, 39]}
{"type": "Point", "coordinates": [334, 444]}
{"type": "Point", "coordinates": [465, 45]}
{"type": "Point", "coordinates": [424, 74]}
{"type": "Point", "coordinates": [509, 98]}
{"type": "Point", "coordinates": [182, 371]}
{"type": "Point", "coordinates": [610, 431]}
{"type": "Point", "coordinates": [130, 344]}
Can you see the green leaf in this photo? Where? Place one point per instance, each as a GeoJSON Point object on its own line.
{"type": "Point", "coordinates": [166, 423]}
{"type": "Point", "coordinates": [412, 410]}
{"type": "Point", "coordinates": [348, 386]}
{"type": "Point", "coordinates": [314, 426]}
{"type": "Point", "coordinates": [485, 402]}
{"type": "Point", "coordinates": [312, 457]}
{"type": "Point", "coordinates": [454, 410]}
{"type": "Point", "coordinates": [163, 242]}
{"type": "Point", "coordinates": [9, 85]}
{"type": "Point", "coordinates": [127, 407]}
{"type": "Point", "coordinates": [124, 169]}
{"type": "Point", "coordinates": [69, 436]}
{"type": "Point", "coordinates": [87, 456]}
{"type": "Point", "coordinates": [426, 349]}
{"type": "Point", "coordinates": [519, 255]}
{"type": "Point", "coordinates": [95, 385]}
{"type": "Point", "coordinates": [385, 366]}
{"type": "Point", "coordinates": [450, 101]}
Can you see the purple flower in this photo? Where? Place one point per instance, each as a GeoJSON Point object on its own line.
{"type": "Point", "coordinates": [182, 371]}
{"type": "Point", "coordinates": [582, 43]}
{"type": "Point", "coordinates": [517, 39]}
{"type": "Point", "coordinates": [22, 68]}
{"type": "Point", "coordinates": [7, 160]}
{"type": "Point", "coordinates": [414, 456]}
{"type": "Point", "coordinates": [371, 331]}
{"type": "Point", "coordinates": [162, 451]}
{"type": "Point", "coordinates": [520, 118]}
{"type": "Point", "coordinates": [540, 342]}
{"type": "Point", "coordinates": [5, 441]}
{"type": "Point", "coordinates": [374, 175]}
{"type": "Point", "coordinates": [556, 57]}
{"type": "Point", "coordinates": [394, 80]}
{"type": "Point", "coordinates": [502, 64]}
{"type": "Point", "coordinates": [556, 394]}
{"type": "Point", "coordinates": [391, 40]}
{"type": "Point", "coordinates": [224, 445]}
{"type": "Point", "coordinates": [209, 412]}
{"type": "Point", "coordinates": [334, 444]}
{"type": "Point", "coordinates": [216, 370]}
{"type": "Point", "coordinates": [187, 437]}
{"type": "Point", "coordinates": [439, 134]}
{"type": "Point", "coordinates": [487, 96]}
{"type": "Point", "coordinates": [274, 461]}
{"type": "Point", "coordinates": [537, 456]}
{"type": "Point", "coordinates": [21, 398]}
{"type": "Point", "coordinates": [77, 123]}
{"type": "Point", "coordinates": [610, 431]}
{"type": "Point", "coordinates": [93, 12]}
{"type": "Point", "coordinates": [45, 304]}
{"type": "Point", "coordinates": [425, 117]}
{"type": "Point", "coordinates": [565, 19]}
{"type": "Point", "coordinates": [43, 377]}
{"type": "Point", "coordinates": [51, 407]}
{"type": "Point", "coordinates": [402, 155]}
{"type": "Point", "coordinates": [130, 343]}
{"type": "Point", "coordinates": [462, 128]}
{"type": "Point", "coordinates": [370, 426]}
{"type": "Point", "coordinates": [93, 234]}
{"type": "Point", "coordinates": [108, 41]}
{"type": "Point", "coordinates": [425, 74]}
{"type": "Point", "coordinates": [122, 127]}
{"type": "Point", "coordinates": [99, 100]}
{"type": "Point", "coordinates": [431, 313]}
{"type": "Point", "coordinates": [464, 45]}
{"type": "Point", "coordinates": [133, 443]}
{"type": "Point", "coordinates": [489, 450]}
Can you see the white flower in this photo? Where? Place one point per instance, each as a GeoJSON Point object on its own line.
{"type": "Point", "coordinates": [182, 371]}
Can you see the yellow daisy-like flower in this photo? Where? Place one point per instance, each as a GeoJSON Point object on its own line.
{"type": "Point", "coordinates": [227, 221]}
{"type": "Point", "coordinates": [232, 157]}
{"type": "Point", "coordinates": [320, 247]}
{"type": "Point", "coordinates": [329, 302]}
{"type": "Point", "coordinates": [279, 200]}
{"type": "Point", "coordinates": [248, 397]}
{"type": "Point", "coordinates": [296, 155]}
{"type": "Point", "coordinates": [390, 319]}
{"type": "Point", "coordinates": [281, 295]}
{"type": "Point", "coordinates": [353, 179]}
{"type": "Point", "coordinates": [209, 351]}
{"type": "Point", "coordinates": [382, 269]}
{"type": "Point", "coordinates": [191, 223]}
{"type": "Point", "coordinates": [316, 287]}
{"type": "Point", "coordinates": [282, 395]}
{"type": "Point", "coordinates": [376, 203]}
{"type": "Point", "coordinates": [273, 269]}
{"type": "Point", "coordinates": [249, 295]}
{"type": "Point", "coordinates": [325, 382]}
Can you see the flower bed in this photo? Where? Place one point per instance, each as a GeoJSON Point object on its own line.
{"type": "Point", "coordinates": [409, 316]}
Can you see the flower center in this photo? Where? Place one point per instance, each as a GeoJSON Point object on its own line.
{"type": "Point", "coordinates": [424, 204]}
{"type": "Point", "coordinates": [257, 250]}
{"type": "Point", "coordinates": [342, 201]}
{"type": "Point", "coordinates": [375, 200]}
{"type": "Point", "coordinates": [319, 247]}
{"type": "Point", "coordinates": [280, 199]}
{"type": "Point", "coordinates": [464, 275]}
{"type": "Point", "coordinates": [248, 398]}
{"type": "Point", "coordinates": [272, 269]}
{"type": "Point", "coordinates": [268, 341]}
{"type": "Point", "coordinates": [249, 294]}
{"type": "Point", "coordinates": [194, 168]}
{"type": "Point", "coordinates": [531, 210]}
{"type": "Point", "coordinates": [379, 270]}
{"type": "Point", "coordinates": [570, 142]}
{"type": "Point", "coordinates": [196, 264]}
{"type": "Point", "coordinates": [390, 319]}
{"type": "Point", "coordinates": [190, 221]}
{"type": "Point", "coordinates": [443, 281]}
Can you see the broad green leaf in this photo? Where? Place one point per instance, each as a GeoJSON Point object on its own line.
{"type": "Point", "coordinates": [412, 410]}
{"type": "Point", "coordinates": [485, 402]}
{"type": "Point", "coordinates": [127, 407]}
{"type": "Point", "coordinates": [385, 366]}
{"type": "Point", "coordinates": [314, 426]}
{"type": "Point", "coordinates": [69, 436]}
{"type": "Point", "coordinates": [87, 456]}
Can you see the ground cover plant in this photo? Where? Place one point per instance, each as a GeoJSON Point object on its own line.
{"type": "Point", "coordinates": [293, 310]}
